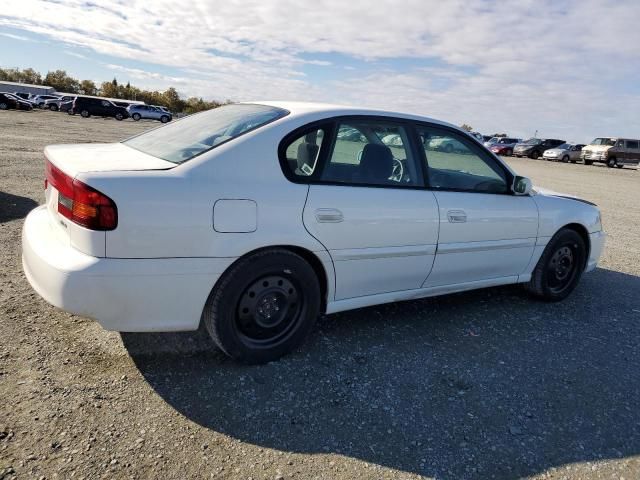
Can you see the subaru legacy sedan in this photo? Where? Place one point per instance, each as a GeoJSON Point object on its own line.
{"type": "Point", "coordinates": [253, 219]}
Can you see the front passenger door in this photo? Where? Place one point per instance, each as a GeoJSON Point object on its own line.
{"type": "Point", "coordinates": [486, 232]}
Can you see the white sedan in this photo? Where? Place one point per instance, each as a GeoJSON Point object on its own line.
{"type": "Point", "coordinates": [254, 218]}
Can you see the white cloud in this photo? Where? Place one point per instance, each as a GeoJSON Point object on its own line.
{"type": "Point", "coordinates": [566, 68]}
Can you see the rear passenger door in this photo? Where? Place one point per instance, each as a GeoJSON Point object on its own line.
{"type": "Point", "coordinates": [367, 204]}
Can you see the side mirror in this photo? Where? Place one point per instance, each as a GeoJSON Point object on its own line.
{"type": "Point", "coordinates": [522, 186]}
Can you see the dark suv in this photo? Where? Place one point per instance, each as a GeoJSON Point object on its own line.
{"type": "Point", "coordinates": [87, 106]}
{"type": "Point", "coordinates": [535, 147]}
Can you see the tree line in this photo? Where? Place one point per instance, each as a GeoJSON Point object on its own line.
{"type": "Point", "coordinates": [62, 82]}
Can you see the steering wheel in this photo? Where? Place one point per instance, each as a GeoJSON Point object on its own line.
{"type": "Point", "coordinates": [398, 171]}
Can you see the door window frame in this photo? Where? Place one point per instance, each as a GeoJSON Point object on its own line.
{"type": "Point", "coordinates": [331, 127]}
{"type": "Point", "coordinates": [474, 146]}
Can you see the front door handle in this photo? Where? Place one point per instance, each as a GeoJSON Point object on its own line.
{"type": "Point", "coordinates": [457, 216]}
{"type": "Point", "coordinates": [329, 215]}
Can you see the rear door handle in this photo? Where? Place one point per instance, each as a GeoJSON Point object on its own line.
{"type": "Point", "coordinates": [329, 215]}
{"type": "Point", "coordinates": [457, 216]}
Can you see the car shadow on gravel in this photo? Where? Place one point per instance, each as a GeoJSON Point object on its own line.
{"type": "Point", "coordinates": [485, 384]}
{"type": "Point", "coordinates": [14, 206]}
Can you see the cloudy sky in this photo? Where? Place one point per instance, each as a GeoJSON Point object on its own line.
{"type": "Point", "coordinates": [568, 69]}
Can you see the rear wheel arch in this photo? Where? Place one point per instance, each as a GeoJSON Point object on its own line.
{"type": "Point", "coordinates": [310, 257]}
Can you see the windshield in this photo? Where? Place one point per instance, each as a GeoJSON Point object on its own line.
{"type": "Point", "coordinates": [564, 146]}
{"type": "Point", "coordinates": [182, 140]}
{"type": "Point", "coordinates": [533, 141]}
{"type": "Point", "coordinates": [604, 141]}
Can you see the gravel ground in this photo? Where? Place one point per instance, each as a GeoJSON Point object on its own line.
{"type": "Point", "coordinates": [486, 384]}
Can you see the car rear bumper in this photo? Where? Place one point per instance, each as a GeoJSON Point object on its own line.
{"type": "Point", "coordinates": [597, 240]}
{"type": "Point", "coordinates": [127, 295]}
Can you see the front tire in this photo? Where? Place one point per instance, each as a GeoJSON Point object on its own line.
{"type": "Point", "coordinates": [53, 107]}
{"type": "Point", "coordinates": [263, 307]}
{"type": "Point", "coordinates": [164, 119]}
{"type": "Point", "coordinates": [136, 116]}
{"type": "Point", "coordinates": [612, 162]}
{"type": "Point", "coordinates": [535, 154]}
{"type": "Point", "coordinates": [565, 159]}
{"type": "Point", "coordinates": [119, 116]}
{"type": "Point", "coordinates": [4, 106]}
{"type": "Point", "coordinates": [560, 267]}
{"type": "Point", "coordinates": [84, 114]}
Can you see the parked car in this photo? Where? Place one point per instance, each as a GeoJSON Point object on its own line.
{"type": "Point", "coordinates": [66, 106]}
{"type": "Point", "coordinates": [9, 100]}
{"type": "Point", "coordinates": [444, 143]}
{"type": "Point", "coordinates": [22, 95]}
{"type": "Point", "coordinates": [567, 152]}
{"type": "Point", "coordinates": [148, 111]}
{"type": "Point", "coordinates": [246, 219]}
{"type": "Point", "coordinates": [614, 151]}
{"type": "Point", "coordinates": [535, 147]}
{"type": "Point", "coordinates": [503, 145]}
{"type": "Point", "coordinates": [87, 106]}
{"type": "Point", "coordinates": [53, 104]}
{"type": "Point", "coordinates": [39, 100]}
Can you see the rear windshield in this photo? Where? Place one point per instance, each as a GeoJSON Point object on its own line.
{"type": "Point", "coordinates": [182, 140]}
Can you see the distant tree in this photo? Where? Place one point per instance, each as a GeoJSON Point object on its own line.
{"type": "Point", "coordinates": [62, 82]}
{"type": "Point", "coordinates": [88, 87]}
{"type": "Point", "coordinates": [499, 135]}
{"type": "Point", "coordinates": [108, 89]}
{"type": "Point", "coordinates": [466, 127]}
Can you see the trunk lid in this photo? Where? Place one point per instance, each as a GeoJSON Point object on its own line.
{"type": "Point", "coordinates": [102, 157]}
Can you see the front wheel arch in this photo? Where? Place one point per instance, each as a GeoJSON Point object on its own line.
{"type": "Point", "coordinates": [584, 233]}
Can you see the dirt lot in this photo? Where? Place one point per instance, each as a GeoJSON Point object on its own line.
{"type": "Point", "coordinates": [487, 384]}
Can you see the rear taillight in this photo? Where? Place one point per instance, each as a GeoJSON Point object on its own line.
{"type": "Point", "coordinates": [80, 203]}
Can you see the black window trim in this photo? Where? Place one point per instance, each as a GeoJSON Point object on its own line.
{"type": "Point", "coordinates": [330, 126]}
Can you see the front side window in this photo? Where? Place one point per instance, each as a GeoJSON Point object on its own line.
{"type": "Point", "coordinates": [453, 164]}
{"type": "Point", "coordinates": [371, 153]}
{"type": "Point", "coordinates": [182, 140]}
{"type": "Point", "coordinates": [302, 153]}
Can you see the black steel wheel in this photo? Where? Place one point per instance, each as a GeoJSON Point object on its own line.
{"type": "Point", "coordinates": [560, 267]}
{"type": "Point", "coordinates": [264, 306]}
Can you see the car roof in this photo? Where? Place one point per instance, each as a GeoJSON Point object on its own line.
{"type": "Point", "coordinates": [334, 110]}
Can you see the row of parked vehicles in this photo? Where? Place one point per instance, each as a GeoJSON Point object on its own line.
{"type": "Point", "coordinates": [612, 151]}
{"type": "Point", "coordinates": [85, 106]}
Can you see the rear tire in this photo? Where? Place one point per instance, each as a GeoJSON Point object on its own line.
{"type": "Point", "coordinates": [588, 162]}
{"type": "Point", "coordinates": [560, 267]}
{"type": "Point", "coordinates": [84, 114]}
{"type": "Point", "coordinates": [4, 106]}
{"type": "Point", "coordinates": [136, 116]}
{"type": "Point", "coordinates": [619, 165]}
{"type": "Point", "coordinates": [535, 154]}
{"type": "Point", "coordinates": [53, 107]}
{"type": "Point", "coordinates": [509, 153]}
{"type": "Point", "coordinates": [263, 307]}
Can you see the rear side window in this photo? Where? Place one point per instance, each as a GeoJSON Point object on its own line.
{"type": "Point", "coordinates": [632, 144]}
{"type": "Point", "coordinates": [180, 141]}
{"type": "Point", "coordinates": [371, 153]}
{"type": "Point", "coordinates": [302, 153]}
